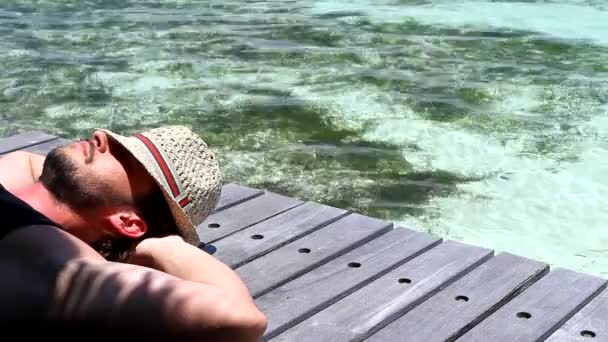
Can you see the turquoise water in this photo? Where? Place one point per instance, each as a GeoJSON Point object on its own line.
{"type": "Point", "coordinates": [481, 121]}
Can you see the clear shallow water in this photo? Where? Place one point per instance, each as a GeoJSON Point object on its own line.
{"type": "Point", "coordinates": [482, 121]}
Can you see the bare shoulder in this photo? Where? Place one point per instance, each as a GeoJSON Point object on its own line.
{"type": "Point", "coordinates": [23, 156]}
{"type": "Point", "coordinates": [20, 168]}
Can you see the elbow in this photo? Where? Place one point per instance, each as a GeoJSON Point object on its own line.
{"type": "Point", "coordinates": [256, 324]}
{"type": "Point", "coordinates": [234, 320]}
{"type": "Point", "coordinates": [250, 325]}
{"type": "Point", "coordinates": [242, 313]}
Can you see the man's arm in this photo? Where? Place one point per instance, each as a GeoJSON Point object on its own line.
{"type": "Point", "coordinates": [20, 168]}
{"type": "Point", "coordinates": [174, 256]}
{"type": "Point", "coordinates": [150, 303]}
{"type": "Point", "coordinates": [115, 297]}
{"type": "Point", "coordinates": [233, 305]}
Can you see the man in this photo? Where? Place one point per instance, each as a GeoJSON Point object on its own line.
{"type": "Point", "coordinates": [114, 198]}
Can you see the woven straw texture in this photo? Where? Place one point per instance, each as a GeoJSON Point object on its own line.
{"type": "Point", "coordinates": [192, 164]}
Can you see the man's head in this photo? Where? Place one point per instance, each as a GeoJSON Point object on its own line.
{"type": "Point", "coordinates": [130, 188]}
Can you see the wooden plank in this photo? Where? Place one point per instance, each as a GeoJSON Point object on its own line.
{"type": "Point", "coordinates": [589, 324]}
{"type": "Point", "coordinates": [374, 306]}
{"type": "Point", "coordinates": [46, 147]}
{"type": "Point", "coordinates": [23, 140]}
{"type": "Point", "coordinates": [540, 310]}
{"type": "Point", "coordinates": [229, 221]}
{"type": "Point", "coordinates": [286, 263]}
{"type": "Point", "coordinates": [273, 233]}
{"type": "Point", "coordinates": [287, 306]}
{"type": "Point", "coordinates": [453, 311]}
{"type": "Point", "coordinates": [233, 194]}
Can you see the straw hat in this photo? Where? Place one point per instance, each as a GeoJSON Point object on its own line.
{"type": "Point", "coordinates": [185, 169]}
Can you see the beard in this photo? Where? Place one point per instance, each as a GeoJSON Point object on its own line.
{"type": "Point", "coordinates": [78, 187]}
{"type": "Point", "coordinates": [72, 185]}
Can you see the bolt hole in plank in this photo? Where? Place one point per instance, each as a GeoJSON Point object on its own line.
{"type": "Point", "coordinates": [486, 287]}
{"type": "Point", "coordinates": [588, 334]}
{"type": "Point", "coordinates": [462, 298]}
{"type": "Point", "coordinates": [325, 285]}
{"type": "Point", "coordinates": [524, 315]}
{"type": "Point", "coordinates": [246, 214]}
{"type": "Point", "coordinates": [405, 281]}
{"type": "Point", "coordinates": [214, 225]}
{"type": "Point", "coordinates": [371, 308]}
{"type": "Point", "coordinates": [257, 237]}
{"type": "Point", "coordinates": [304, 250]}
{"type": "Point", "coordinates": [588, 324]}
{"type": "Point", "coordinates": [354, 265]}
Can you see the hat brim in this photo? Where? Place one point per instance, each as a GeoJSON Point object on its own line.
{"type": "Point", "coordinates": [184, 227]}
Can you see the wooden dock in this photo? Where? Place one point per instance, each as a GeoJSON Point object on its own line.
{"type": "Point", "coordinates": [325, 274]}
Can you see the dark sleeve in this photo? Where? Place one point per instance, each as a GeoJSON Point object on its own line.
{"type": "Point", "coordinates": [17, 214]}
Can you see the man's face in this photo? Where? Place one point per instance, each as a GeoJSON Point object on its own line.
{"type": "Point", "coordinates": [94, 173]}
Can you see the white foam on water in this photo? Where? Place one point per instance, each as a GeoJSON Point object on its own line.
{"type": "Point", "coordinates": [529, 204]}
{"type": "Point", "coordinates": [60, 111]}
{"type": "Point", "coordinates": [566, 19]}
{"type": "Point", "coordinates": [558, 217]}
{"type": "Point", "coordinates": [516, 100]}
{"type": "Point", "coordinates": [526, 208]}
{"type": "Point", "coordinates": [558, 20]}
{"type": "Point", "coordinates": [148, 83]}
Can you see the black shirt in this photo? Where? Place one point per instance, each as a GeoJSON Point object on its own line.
{"type": "Point", "coordinates": [16, 213]}
{"type": "Point", "coordinates": [21, 311]}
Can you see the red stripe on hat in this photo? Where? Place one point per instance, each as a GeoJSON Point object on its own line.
{"type": "Point", "coordinates": [162, 163]}
{"type": "Point", "coordinates": [184, 202]}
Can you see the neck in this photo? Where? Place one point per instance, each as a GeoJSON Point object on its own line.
{"type": "Point", "coordinates": [39, 198]}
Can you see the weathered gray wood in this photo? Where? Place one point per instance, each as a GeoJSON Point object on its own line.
{"type": "Point", "coordinates": [23, 140]}
{"type": "Point", "coordinates": [229, 221]}
{"type": "Point", "coordinates": [549, 302]}
{"type": "Point", "coordinates": [362, 313]}
{"type": "Point", "coordinates": [288, 304]}
{"type": "Point", "coordinates": [454, 310]}
{"type": "Point", "coordinates": [46, 147]}
{"type": "Point", "coordinates": [273, 233]}
{"type": "Point", "coordinates": [287, 263]}
{"type": "Point", "coordinates": [589, 324]}
{"type": "Point", "coordinates": [233, 194]}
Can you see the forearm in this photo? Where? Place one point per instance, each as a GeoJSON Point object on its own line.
{"type": "Point", "coordinates": [188, 262]}
{"type": "Point", "coordinates": [233, 306]}
{"type": "Point", "coordinates": [128, 298]}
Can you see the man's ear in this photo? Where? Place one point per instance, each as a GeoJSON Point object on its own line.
{"type": "Point", "coordinates": [129, 224]}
